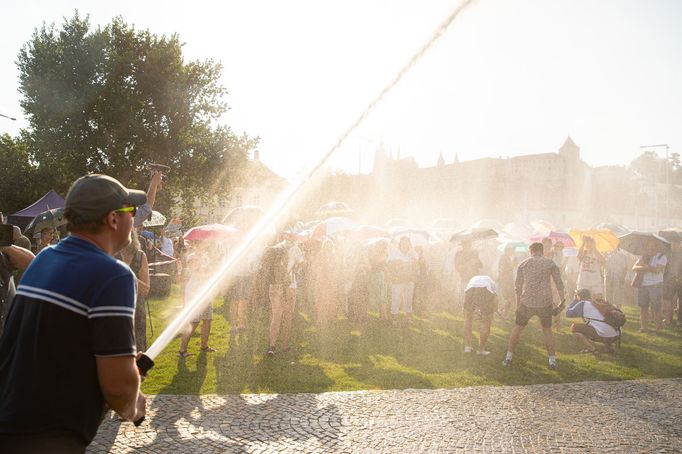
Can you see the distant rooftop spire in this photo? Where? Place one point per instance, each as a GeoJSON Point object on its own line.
{"type": "Point", "coordinates": [441, 161]}
{"type": "Point", "coordinates": [570, 149]}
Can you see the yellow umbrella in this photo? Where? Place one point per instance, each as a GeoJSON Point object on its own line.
{"type": "Point", "coordinates": [606, 240]}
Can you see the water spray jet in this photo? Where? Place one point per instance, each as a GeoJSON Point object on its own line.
{"type": "Point", "coordinates": [275, 216]}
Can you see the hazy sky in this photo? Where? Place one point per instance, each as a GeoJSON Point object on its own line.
{"type": "Point", "coordinates": [508, 78]}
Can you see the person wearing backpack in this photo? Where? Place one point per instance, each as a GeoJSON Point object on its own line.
{"type": "Point", "coordinates": [595, 329]}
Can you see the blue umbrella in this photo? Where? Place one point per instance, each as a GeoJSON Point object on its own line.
{"type": "Point", "coordinates": [149, 235]}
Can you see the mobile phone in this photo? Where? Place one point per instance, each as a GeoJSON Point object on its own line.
{"type": "Point", "coordinates": [6, 235]}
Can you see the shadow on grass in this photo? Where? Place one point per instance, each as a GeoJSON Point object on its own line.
{"type": "Point", "coordinates": [427, 353]}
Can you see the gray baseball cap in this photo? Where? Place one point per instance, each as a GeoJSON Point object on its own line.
{"type": "Point", "coordinates": [92, 196]}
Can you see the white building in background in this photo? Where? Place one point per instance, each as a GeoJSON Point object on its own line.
{"type": "Point", "coordinates": [558, 187]}
{"type": "Point", "coordinates": [257, 185]}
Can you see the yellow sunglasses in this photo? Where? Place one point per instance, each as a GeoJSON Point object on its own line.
{"type": "Point", "coordinates": [131, 210]}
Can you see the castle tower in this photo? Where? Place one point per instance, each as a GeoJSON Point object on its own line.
{"type": "Point", "coordinates": [570, 150]}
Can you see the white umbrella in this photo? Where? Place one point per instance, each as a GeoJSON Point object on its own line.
{"type": "Point", "coordinates": [156, 220]}
{"type": "Point", "coordinates": [338, 224]}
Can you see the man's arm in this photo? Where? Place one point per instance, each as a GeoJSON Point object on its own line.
{"type": "Point", "coordinates": [143, 283]}
{"type": "Point", "coordinates": [18, 256]}
{"type": "Point", "coordinates": [153, 187]}
{"type": "Point", "coordinates": [575, 310]}
{"type": "Point", "coordinates": [119, 380]}
{"type": "Point", "coordinates": [558, 282]}
{"type": "Point", "coordinates": [519, 284]}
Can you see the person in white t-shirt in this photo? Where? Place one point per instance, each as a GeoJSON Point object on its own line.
{"type": "Point", "coordinates": [167, 245]}
{"type": "Point", "coordinates": [480, 295]}
{"type": "Point", "coordinates": [402, 268]}
{"type": "Point", "coordinates": [590, 275]}
{"type": "Point", "coordinates": [595, 329]}
{"type": "Point", "coordinates": [650, 290]}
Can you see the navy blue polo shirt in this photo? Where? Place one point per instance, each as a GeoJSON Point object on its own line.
{"type": "Point", "coordinates": [74, 303]}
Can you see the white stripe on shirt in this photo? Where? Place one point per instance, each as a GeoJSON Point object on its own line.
{"type": "Point", "coordinates": [54, 301]}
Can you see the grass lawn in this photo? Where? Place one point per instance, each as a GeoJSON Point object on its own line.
{"type": "Point", "coordinates": [427, 354]}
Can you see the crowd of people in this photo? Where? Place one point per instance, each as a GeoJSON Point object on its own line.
{"type": "Point", "coordinates": [96, 281]}
{"type": "Point", "coordinates": [344, 277]}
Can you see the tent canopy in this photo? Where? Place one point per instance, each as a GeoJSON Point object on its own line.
{"type": "Point", "coordinates": [46, 202]}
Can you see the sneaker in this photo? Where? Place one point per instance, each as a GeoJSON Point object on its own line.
{"type": "Point", "coordinates": [271, 351]}
{"type": "Point", "coordinates": [468, 349]}
{"type": "Point", "coordinates": [552, 365]}
{"type": "Point", "coordinates": [506, 362]}
{"type": "Point", "coordinates": [483, 352]}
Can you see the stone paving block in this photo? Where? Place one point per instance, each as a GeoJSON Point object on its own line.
{"type": "Point", "coordinates": [632, 416]}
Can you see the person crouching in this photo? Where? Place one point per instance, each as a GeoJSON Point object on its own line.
{"type": "Point", "coordinates": [594, 330]}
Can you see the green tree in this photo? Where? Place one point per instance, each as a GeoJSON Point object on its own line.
{"type": "Point", "coordinates": [15, 171]}
{"type": "Point", "coordinates": [114, 99]}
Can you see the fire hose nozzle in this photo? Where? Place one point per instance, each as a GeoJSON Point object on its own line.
{"type": "Point", "coordinates": [144, 364]}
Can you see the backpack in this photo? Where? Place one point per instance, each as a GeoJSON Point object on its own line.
{"type": "Point", "coordinates": [612, 315]}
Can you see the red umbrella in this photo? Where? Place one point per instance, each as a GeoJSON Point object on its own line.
{"type": "Point", "coordinates": [213, 232]}
{"type": "Point", "coordinates": [555, 236]}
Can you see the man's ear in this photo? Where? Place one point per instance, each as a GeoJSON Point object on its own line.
{"type": "Point", "coordinates": [111, 221]}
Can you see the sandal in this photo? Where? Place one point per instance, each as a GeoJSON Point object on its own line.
{"type": "Point", "coordinates": [183, 354]}
{"type": "Point", "coordinates": [208, 349]}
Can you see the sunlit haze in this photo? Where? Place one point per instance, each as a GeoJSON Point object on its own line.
{"type": "Point", "coordinates": [508, 78]}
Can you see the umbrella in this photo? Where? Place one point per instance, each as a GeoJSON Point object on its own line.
{"type": "Point", "coordinates": [243, 217]}
{"type": "Point", "coordinates": [338, 224]}
{"type": "Point", "coordinates": [50, 219]}
{"type": "Point", "coordinates": [474, 234]}
{"type": "Point", "coordinates": [148, 234]}
{"type": "Point", "coordinates": [635, 242]}
{"type": "Point", "coordinates": [488, 224]}
{"type": "Point", "coordinates": [157, 219]}
{"type": "Point", "coordinates": [606, 240]}
{"type": "Point", "coordinates": [519, 246]}
{"type": "Point", "coordinates": [617, 229]}
{"type": "Point", "coordinates": [396, 222]}
{"type": "Point", "coordinates": [542, 227]}
{"type": "Point", "coordinates": [370, 231]}
{"type": "Point", "coordinates": [518, 230]}
{"type": "Point", "coordinates": [417, 237]}
{"type": "Point", "coordinates": [213, 232]}
{"type": "Point", "coordinates": [555, 236]}
{"type": "Point", "coordinates": [670, 235]}
{"type": "Point", "coordinates": [333, 209]}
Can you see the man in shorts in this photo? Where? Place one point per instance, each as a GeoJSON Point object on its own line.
{"type": "Point", "coordinates": [534, 298]}
{"type": "Point", "coordinates": [68, 350]}
{"type": "Point", "coordinates": [480, 296]}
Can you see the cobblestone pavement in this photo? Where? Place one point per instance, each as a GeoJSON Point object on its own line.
{"type": "Point", "coordinates": [630, 416]}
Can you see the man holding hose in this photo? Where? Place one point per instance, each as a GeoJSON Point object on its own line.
{"type": "Point", "coordinates": [68, 349]}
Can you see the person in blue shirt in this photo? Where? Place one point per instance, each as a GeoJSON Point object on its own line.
{"type": "Point", "coordinates": [68, 350]}
{"type": "Point", "coordinates": [594, 329]}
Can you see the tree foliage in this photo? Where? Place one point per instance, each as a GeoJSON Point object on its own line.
{"type": "Point", "coordinates": [15, 171]}
{"type": "Point", "coordinates": [114, 99]}
{"type": "Point", "coordinates": [655, 168]}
